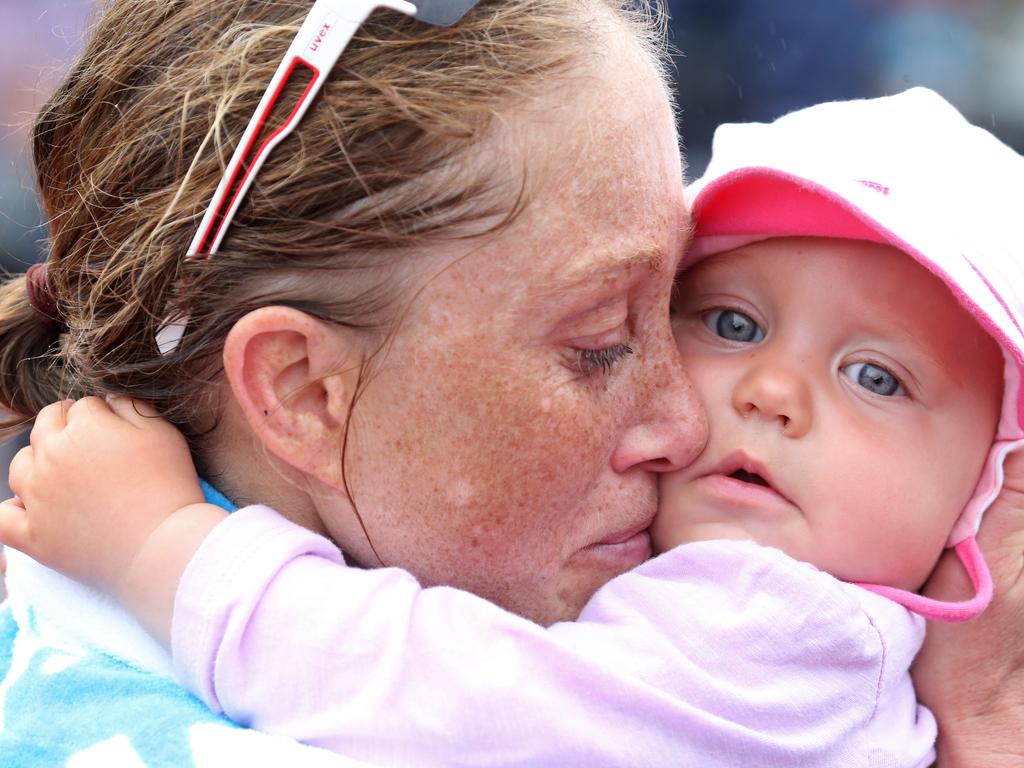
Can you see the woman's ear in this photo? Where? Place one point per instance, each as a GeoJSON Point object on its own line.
{"type": "Point", "coordinates": [294, 376]}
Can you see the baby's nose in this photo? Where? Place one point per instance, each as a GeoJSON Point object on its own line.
{"type": "Point", "coordinates": [776, 394]}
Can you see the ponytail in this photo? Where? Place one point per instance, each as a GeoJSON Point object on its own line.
{"type": "Point", "coordinates": [30, 370]}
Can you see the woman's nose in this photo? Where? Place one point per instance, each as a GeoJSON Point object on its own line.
{"type": "Point", "coordinates": [775, 394]}
{"type": "Point", "coordinates": [673, 436]}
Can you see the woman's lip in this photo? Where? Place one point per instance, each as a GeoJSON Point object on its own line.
{"type": "Point", "coordinates": [623, 536]}
{"type": "Point", "coordinates": [623, 551]}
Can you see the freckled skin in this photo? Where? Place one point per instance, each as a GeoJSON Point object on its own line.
{"type": "Point", "coordinates": [480, 456]}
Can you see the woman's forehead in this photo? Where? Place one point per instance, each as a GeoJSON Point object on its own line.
{"type": "Point", "coordinates": [618, 210]}
{"type": "Point", "coordinates": [601, 173]}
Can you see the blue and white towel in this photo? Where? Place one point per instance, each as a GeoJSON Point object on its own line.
{"type": "Point", "coordinates": [82, 685]}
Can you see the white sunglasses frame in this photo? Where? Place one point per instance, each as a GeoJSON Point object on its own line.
{"type": "Point", "coordinates": [322, 38]}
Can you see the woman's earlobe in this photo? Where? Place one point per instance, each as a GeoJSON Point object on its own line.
{"type": "Point", "coordinates": [294, 376]}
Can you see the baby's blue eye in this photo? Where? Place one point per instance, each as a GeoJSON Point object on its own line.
{"type": "Point", "coordinates": [733, 325]}
{"type": "Point", "coordinates": [874, 378]}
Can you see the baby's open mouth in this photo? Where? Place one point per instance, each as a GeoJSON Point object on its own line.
{"type": "Point", "coordinates": [750, 477]}
{"type": "Point", "coordinates": [750, 472]}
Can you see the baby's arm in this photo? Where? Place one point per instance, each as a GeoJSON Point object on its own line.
{"type": "Point", "coordinates": [680, 659]}
{"type": "Point", "coordinates": [107, 494]}
{"type": "Point", "coordinates": [718, 653]}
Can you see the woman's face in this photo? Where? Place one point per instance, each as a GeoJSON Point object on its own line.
{"type": "Point", "coordinates": [509, 441]}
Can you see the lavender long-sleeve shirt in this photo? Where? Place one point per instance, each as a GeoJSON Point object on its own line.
{"type": "Point", "coordinates": [714, 654]}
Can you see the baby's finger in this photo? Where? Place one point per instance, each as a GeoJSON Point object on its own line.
{"type": "Point", "coordinates": [19, 471]}
{"type": "Point", "coordinates": [137, 412]}
{"type": "Point", "coordinates": [52, 419]}
{"type": "Point", "coordinates": [14, 528]}
{"type": "Point", "coordinates": [88, 407]}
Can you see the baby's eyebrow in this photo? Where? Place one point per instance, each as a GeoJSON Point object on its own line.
{"type": "Point", "coordinates": [920, 361]}
{"type": "Point", "coordinates": [927, 359]}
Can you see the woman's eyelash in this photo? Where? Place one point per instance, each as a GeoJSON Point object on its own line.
{"type": "Point", "coordinates": [591, 361]}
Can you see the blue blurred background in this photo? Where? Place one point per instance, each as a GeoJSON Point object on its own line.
{"type": "Point", "coordinates": [757, 59]}
{"type": "Point", "coordinates": [739, 60]}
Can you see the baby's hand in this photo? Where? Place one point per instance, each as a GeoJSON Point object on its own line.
{"type": "Point", "coordinates": [97, 480]}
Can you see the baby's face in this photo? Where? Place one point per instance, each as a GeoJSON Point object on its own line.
{"type": "Point", "coordinates": [851, 402]}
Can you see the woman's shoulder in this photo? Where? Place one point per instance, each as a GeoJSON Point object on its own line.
{"type": "Point", "coordinates": [59, 701]}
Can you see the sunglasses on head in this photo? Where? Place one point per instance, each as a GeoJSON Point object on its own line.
{"type": "Point", "coordinates": [321, 40]}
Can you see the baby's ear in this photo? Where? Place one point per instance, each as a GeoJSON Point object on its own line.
{"type": "Point", "coordinates": [294, 376]}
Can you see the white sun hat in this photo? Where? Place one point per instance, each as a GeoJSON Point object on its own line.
{"type": "Point", "coordinates": [911, 172]}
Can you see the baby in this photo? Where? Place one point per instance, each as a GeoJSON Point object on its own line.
{"type": "Point", "coordinates": [848, 318]}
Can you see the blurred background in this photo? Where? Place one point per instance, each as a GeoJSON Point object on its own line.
{"type": "Point", "coordinates": [739, 60]}
{"type": "Point", "coordinates": [742, 60]}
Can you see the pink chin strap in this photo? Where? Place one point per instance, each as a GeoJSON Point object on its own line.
{"type": "Point", "coordinates": [938, 610]}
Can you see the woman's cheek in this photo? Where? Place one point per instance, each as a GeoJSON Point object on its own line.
{"type": "Point", "coordinates": [549, 446]}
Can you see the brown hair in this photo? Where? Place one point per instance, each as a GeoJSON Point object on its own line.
{"type": "Point", "coordinates": [130, 148]}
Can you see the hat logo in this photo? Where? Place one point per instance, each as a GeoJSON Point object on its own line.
{"type": "Point", "coordinates": [321, 35]}
{"type": "Point", "coordinates": [875, 186]}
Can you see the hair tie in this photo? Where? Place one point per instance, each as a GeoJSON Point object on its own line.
{"type": "Point", "coordinates": [41, 297]}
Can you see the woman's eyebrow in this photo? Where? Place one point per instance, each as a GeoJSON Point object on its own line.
{"type": "Point", "coordinates": [610, 265]}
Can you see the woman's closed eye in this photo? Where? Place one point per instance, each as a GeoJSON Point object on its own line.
{"type": "Point", "coordinates": [874, 378]}
{"type": "Point", "coordinates": [733, 325]}
{"type": "Point", "coordinates": [602, 360]}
